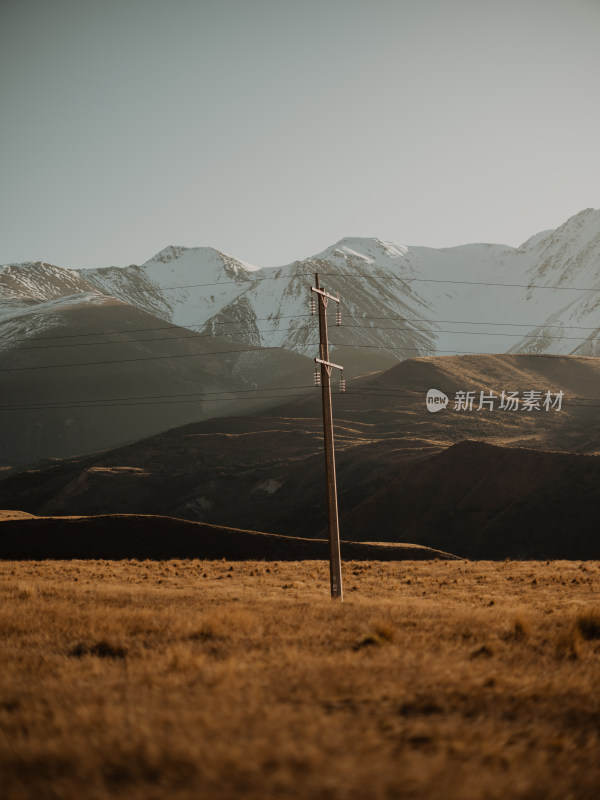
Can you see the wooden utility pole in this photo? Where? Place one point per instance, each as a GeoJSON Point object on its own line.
{"type": "Point", "coordinates": [335, 565]}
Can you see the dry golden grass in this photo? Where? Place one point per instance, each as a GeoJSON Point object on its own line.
{"type": "Point", "coordinates": [190, 679]}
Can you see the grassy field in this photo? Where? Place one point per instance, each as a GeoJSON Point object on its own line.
{"type": "Point", "coordinates": [206, 679]}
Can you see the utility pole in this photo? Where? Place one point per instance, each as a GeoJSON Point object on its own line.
{"type": "Point", "coordinates": [324, 378]}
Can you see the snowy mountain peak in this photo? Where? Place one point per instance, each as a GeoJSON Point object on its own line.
{"type": "Point", "coordinates": [170, 253]}
{"type": "Point", "coordinates": [202, 258]}
{"type": "Point", "coordinates": [586, 223]}
{"type": "Point", "coordinates": [584, 215]}
{"type": "Point", "coordinates": [179, 253]}
{"type": "Point", "coordinates": [368, 249]}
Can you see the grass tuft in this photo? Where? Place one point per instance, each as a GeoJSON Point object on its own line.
{"type": "Point", "coordinates": [102, 649]}
{"type": "Point", "coordinates": [384, 631]}
{"type": "Point", "coordinates": [588, 624]}
{"type": "Point", "coordinates": [482, 652]}
{"type": "Point", "coordinates": [382, 634]}
{"type": "Point", "coordinates": [568, 645]}
{"type": "Point", "coordinates": [518, 631]}
{"type": "Point", "coordinates": [368, 641]}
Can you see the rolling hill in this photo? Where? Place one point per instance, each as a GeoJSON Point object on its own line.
{"type": "Point", "coordinates": [70, 385]}
{"type": "Point", "coordinates": [123, 536]}
{"type": "Point", "coordinates": [264, 471]}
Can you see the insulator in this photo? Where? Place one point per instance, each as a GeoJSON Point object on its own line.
{"type": "Point", "coordinates": [338, 316]}
{"type": "Point", "coordinates": [313, 305]}
{"type": "Point", "coordinates": [342, 383]}
{"type": "Point", "coordinates": [317, 376]}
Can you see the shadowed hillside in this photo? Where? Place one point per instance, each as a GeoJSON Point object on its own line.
{"type": "Point", "coordinates": [146, 537]}
{"type": "Point", "coordinates": [489, 502]}
{"type": "Point", "coordinates": [71, 386]}
{"type": "Point", "coordinates": [265, 471]}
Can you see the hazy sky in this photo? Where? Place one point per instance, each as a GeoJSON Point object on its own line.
{"type": "Point", "coordinates": [272, 128]}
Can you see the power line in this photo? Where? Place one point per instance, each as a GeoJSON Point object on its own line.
{"type": "Point", "coordinates": [423, 352]}
{"type": "Point", "coordinates": [400, 278]}
{"type": "Point", "coordinates": [437, 351]}
{"type": "Point", "coordinates": [411, 329]}
{"type": "Point", "coordinates": [101, 289]}
{"type": "Point", "coordinates": [58, 403]}
{"type": "Point", "coordinates": [485, 322]}
{"type": "Point", "coordinates": [148, 358]}
{"type": "Point", "coordinates": [152, 403]}
{"type": "Point", "coordinates": [462, 283]}
{"type": "Point", "coordinates": [250, 281]}
{"type": "Point", "coordinates": [378, 391]}
{"type": "Point", "coordinates": [395, 392]}
{"type": "Point", "coordinates": [171, 327]}
{"type": "Point", "coordinates": [141, 341]}
{"type": "Point", "coordinates": [466, 333]}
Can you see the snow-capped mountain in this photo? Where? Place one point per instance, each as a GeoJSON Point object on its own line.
{"type": "Point", "coordinates": [397, 301]}
{"type": "Point", "coordinates": [383, 315]}
{"type": "Point", "coordinates": [181, 284]}
{"type": "Point", "coordinates": [568, 258]}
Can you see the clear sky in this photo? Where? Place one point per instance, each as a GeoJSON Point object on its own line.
{"type": "Point", "coordinates": [272, 128]}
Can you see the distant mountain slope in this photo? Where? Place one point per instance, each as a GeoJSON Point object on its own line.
{"type": "Point", "coordinates": [267, 468]}
{"type": "Point", "coordinates": [72, 386]}
{"type": "Point", "coordinates": [574, 328]}
{"type": "Point", "coordinates": [564, 256]}
{"type": "Point", "coordinates": [398, 301]}
{"type": "Point", "coordinates": [568, 256]}
{"type": "Point", "coordinates": [40, 281]}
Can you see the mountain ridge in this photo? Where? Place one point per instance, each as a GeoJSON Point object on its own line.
{"type": "Point", "coordinates": [202, 287]}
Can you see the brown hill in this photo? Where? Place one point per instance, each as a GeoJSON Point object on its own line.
{"type": "Point", "coordinates": [265, 470]}
{"type": "Point", "coordinates": [489, 502]}
{"type": "Point", "coordinates": [119, 536]}
{"type": "Point", "coordinates": [50, 409]}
